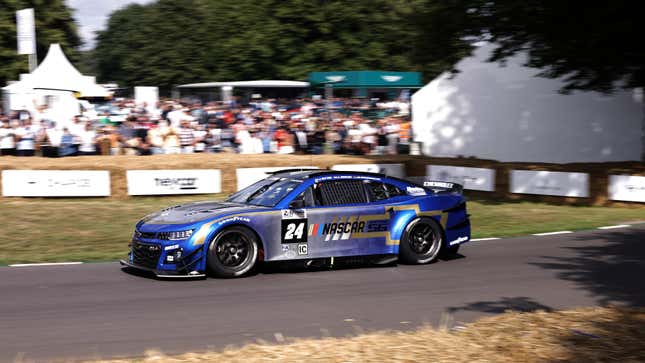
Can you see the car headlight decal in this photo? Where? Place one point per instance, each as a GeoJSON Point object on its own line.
{"type": "Point", "coordinates": [176, 235]}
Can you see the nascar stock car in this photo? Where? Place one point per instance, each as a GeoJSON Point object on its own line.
{"type": "Point", "coordinates": [310, 216]}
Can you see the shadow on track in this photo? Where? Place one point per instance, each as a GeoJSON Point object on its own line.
{"type": "Point", "coordinates": [614, 271]}
{"type": "Point", "coordinates": [521, 304]}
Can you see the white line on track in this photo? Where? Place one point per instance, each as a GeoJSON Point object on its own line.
{"type": "Point", "coordinates": [45, 264]}
{"type": "Point", "coordinates": [551, 233]}
{"type": "Point", "coordinates": [484, 239]}
{"type": "Point", "coordinates": [616, 226]}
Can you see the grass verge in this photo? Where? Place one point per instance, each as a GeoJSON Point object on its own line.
{"type": "Point", "coordinates": [578, 335]}
{"type": "Point", "coordinates": [50, 230]}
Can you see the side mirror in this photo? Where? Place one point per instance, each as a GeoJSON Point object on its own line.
{"type": "Point", "coordinates": [298, 203]}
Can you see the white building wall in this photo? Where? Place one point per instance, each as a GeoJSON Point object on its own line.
{"type": "Point", "coordinates": [509, 114]}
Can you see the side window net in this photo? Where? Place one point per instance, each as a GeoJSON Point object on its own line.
{"type": "Point", "coordinates": [380, 191]}
{"type": "Point", "coordinates": [342, 192]}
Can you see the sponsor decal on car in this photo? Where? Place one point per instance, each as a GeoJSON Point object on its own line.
{"type": "Point", "coordinates": [234, 219]}
{"type": "Point", "coordinates": [458, 240]}
{"type": "Point", "coordinates": [294, 230]}
{"type": "Point", "coordinates": [345, 177]}
{"type": "Point", "coordinates": [294, 213]}
{"type": "Point", "coordinates": [345, 228]}
{"type": "Point", "coordinates": [415, 191]}
{"type": "Point", "coordinates": [436, 184]}
{"type": "Point", "coordinates": [303, 249]}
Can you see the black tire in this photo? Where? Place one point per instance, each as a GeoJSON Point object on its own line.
{"type": "Point", "coordinates": [233, 252]}
{"type": "Point", "coordinates": [421, 242]}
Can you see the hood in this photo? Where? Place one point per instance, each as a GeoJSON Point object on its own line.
{"type": "Point", "coordinates": [195, 212]}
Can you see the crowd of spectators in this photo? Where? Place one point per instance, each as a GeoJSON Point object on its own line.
{"type": "Point", "coordinates": [344, 126]}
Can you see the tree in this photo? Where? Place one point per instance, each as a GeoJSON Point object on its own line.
{"type": "Point", "coordinates": [54, 24]}
{"type": "Point", "coordinates": [166, 43]}
{"type": "Point", "coordinates": [592, 46]}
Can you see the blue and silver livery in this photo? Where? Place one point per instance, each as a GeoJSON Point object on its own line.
{"type": "Point", "coordinates": [304, 215]}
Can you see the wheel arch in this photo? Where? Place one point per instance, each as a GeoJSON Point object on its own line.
{"type": "Point", "coordinates": [211, 236]}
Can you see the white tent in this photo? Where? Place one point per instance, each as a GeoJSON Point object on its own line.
{"type": "Point", "coordinates": [55, 82]}
{"type": "Point", "coordinates": [507, 113]}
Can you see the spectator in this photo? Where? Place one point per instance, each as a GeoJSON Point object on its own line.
{"type": "Point", "coordinates": [171, 141]}
{"type": "Point", "coordinates": [66, 147]}
{"type": "Point", "coordinates": [156, 139]}
{"type": "Point", "coordinates": [26, 136]}
{"type": "Point", "coordinates": [87, 140]}
{"type": "Point", "coordinates": [186, 138]}
{"type": "Point", "coordinates": [280, 126]}
{"type": "Point", "coordinates": [8, 138]}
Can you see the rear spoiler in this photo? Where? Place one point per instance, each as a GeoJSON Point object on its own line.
{"type": "Point", "coordinates": [436, 186]}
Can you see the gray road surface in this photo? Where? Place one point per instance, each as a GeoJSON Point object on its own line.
{"type": "Point", "coordinates": [98, 311]}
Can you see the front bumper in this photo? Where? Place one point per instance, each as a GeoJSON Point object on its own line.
{"type": "Point", "coordinates": [163, 273]}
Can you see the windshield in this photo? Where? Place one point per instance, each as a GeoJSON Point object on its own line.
{"type": "Point", "coordinates": [267, 192]}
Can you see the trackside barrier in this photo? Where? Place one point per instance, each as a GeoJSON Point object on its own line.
{"type": "Point", "coordinates": [55, 183]}
{"type": "Point", "coordinates": [482, 179]}
{"type": "Point", "coordinates": [178, 181]}
{"type": "Point", "coordinates": [580, 184]}
{"type": "Point", "coordinates": [629, 188]}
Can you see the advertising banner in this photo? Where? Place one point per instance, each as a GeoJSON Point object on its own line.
{"type": "Point", "coordinates": [395, 170]}
{"type": "Point", "coordinates": [471, 178]}
{"type": "Point", "coordinates": [629, 188]}
{"type": "Point", "coordinates": [55, 183]}
{"type": "Point", "coordinates": [550, 183]}
{"type": "Point", "coordinates": [168, 182]}
{"type": "Point", "coordinates": [26, 33]}
{"type": "Point", "coordinates": [248, 176]}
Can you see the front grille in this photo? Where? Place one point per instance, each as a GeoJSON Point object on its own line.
{"type": "Point", "coordinates": [145, 254]}
{"type": "Point", "coordinates": [147, 235]}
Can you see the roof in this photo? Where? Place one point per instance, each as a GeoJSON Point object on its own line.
{"type": "Point", "coordinates": [366, 79]}
{"type": "Point", "coordinates": [57, 73]}
{"type": "Point", "coordinates": [309, 173]}
{"type": "Point", "coordinates": [249, 84]}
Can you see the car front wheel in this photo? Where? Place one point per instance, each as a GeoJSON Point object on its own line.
{"type": "Point", "coordinates": [421, 241]}
{"type": "Point", "coordinates": [233, 252]}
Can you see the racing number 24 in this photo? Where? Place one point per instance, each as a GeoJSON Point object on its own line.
{"type": "Point", "coordinates": [294, 230]}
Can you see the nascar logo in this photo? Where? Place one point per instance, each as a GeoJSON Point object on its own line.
{"type": "Point", "coordinates": [343, 229]}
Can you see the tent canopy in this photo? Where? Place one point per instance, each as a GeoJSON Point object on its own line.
{"type": "Point", "coordinates": [57, 73]}
{"type": "Point", "coordinates": [366, 79]}
{"type": "Point", "coordinates": [249, 84]}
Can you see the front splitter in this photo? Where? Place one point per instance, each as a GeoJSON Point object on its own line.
{"type": "Point", "coordinates": [164, 275]}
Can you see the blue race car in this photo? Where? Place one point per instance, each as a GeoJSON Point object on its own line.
{"type": "Point", "coordinates": [310, 216]}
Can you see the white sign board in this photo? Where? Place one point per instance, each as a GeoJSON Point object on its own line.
{"type": "Point", "coordinates": [471, 178]}
{"type": "Point", "coordinates": [55, 183]}
{"type": "Point", "coordinates": [248, 176]}
{"type": "Point", "coordinates": [629, 188]}
{"type": "Point", "coordinates": [550, 183]}
{"type": "Point", "coordinates": [26, 34]}
{"type": "Point", "coordinates": [160, 182]}
{"type": "Point", "coordinates": [395, 170]}
{"type": "Point", "coordinates": [149, 95]}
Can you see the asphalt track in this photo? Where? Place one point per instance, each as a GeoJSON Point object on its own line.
{"type": "Point", "coordinates": [99, 311]}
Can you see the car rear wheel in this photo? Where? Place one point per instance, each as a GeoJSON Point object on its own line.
{"type": "Point", "coordinates": [421, 242]}
{"type": "Point", "coordinates": [233, 252]}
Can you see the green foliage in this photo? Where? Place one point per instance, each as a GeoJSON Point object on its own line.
{"type": "Point", "coordinates": [592, 46]}
{"type": "Point", "coordinates": [166, 43]}
{"type": "Point", "coordinates": [54, 24]}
